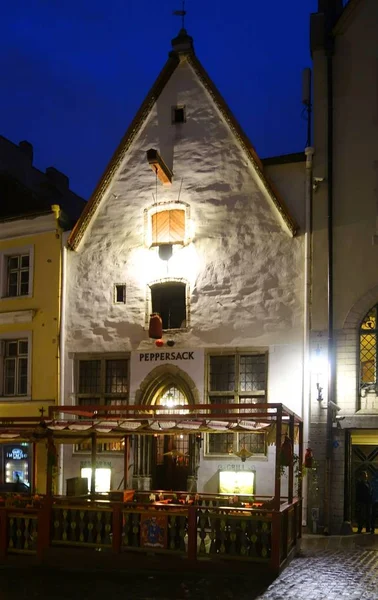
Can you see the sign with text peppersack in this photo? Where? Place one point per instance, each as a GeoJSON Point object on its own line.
{"type": "Point", "coordinates": [191, 361]}
{"type": "Point", "coordinates": [166, 356]}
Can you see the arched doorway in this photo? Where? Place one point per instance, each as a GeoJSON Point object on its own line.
{"type": "Point", "coordinates": [171, 453]}
{"type": "Point", "coordinates": [167, 462]}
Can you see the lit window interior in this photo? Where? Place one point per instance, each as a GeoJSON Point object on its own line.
{"type": "Point", "coordinates": [102, 481]}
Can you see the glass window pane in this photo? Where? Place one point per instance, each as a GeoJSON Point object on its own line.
{"type": "Point", "coordinates": [13, 262]}
{"type": "Point", "coordinates": [25, 261]}
{"type": "Point", "coordinates": [89, 376]}
{"type": "Point", "coordinates": [24, 276]}
{"type": "Point", "coordinates": [253, 442]}
{"type": "Point", "coordinates": [370, 320]}
{"type": "Point", "coordinates": [116, 376]}
{"type": "Point", "coordinates": [9, 376]}
{"type": "Point", "coordinates": [11, 348]}
{"type": "Point", "coordinates": [249, 400]}
{"type": "Point", "coordinates": [368, 353]}
{"type": "Point", "coordinates": [221, 443]}
{"type": "Point", "coordinates": [252, 373]}
{"type": "Point", "coordinates": [221, 400]}
{"type": "Point", "coordinates": [22, 347]}
{"type": "Point", "coordinates": [22, 376]}
{"type": "Point", "coordinates": [222, 373]}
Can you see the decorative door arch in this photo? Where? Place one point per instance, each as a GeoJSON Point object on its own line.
{"type": "Point", "coordinates": [166, 461]}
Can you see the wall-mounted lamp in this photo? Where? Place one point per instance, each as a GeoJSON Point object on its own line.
{"type": "Point", "coordinates": [165, 251]}
{"type": "Point", "coordinates": [319, 368]}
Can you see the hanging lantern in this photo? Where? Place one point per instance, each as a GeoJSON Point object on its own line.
{"type": "Point", "coordinates": [155, 329]}
{"type": "Point", "coordinates": [308, 459]}
{"type": "Point", "coordinates": [286, 454]}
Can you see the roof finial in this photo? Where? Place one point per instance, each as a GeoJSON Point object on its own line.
{"type": "Point", "coordinates": [181, 13]}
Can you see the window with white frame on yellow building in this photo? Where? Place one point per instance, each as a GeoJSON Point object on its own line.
{"type": "Point", "coordinates": [15, 368]}
{"type": "Point", "coordinates": [238, 378]}
{"type": "Point", "coordinates": [18, 266]}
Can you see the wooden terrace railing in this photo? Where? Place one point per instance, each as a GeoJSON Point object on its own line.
{"type": "Point", "coordinates": [205, 531]}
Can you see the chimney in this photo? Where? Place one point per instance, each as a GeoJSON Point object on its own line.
{"type": "Point", "coordinates": [183, 43]}
{"type": "Point", "coordinates": [27, 149]}
{"type": "Point", "coordinates": [60, 180]}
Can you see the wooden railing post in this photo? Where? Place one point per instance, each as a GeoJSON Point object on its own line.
{"type": "Point", "coordinates": [276, 540]}
{"type": "Point", "coordinates": [3, 533]}
{"type": "Point", "coordinates": [117, 528]}
{"type": "Point", "coordinates": [44, 526]}
{"type": "Point", "coordinates": [192, 532]}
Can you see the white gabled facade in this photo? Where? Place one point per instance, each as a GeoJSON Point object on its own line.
{"type": "Point", "coordinates": [242, 269]}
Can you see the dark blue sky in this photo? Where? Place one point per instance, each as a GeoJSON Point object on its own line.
{"type": "Point", "coordinates": [74, 72]}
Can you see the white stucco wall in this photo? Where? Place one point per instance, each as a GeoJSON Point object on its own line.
{"type": "Point", "coordinates": [245, 273]}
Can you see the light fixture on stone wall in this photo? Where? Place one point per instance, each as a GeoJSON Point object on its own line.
{"type": "Point", "coordinates": [165, 251]}
{"type": "Point", "coordinates": [319, 366]}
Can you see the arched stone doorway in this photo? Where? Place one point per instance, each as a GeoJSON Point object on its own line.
{"type": "Point", "coordinates": [167, 462]}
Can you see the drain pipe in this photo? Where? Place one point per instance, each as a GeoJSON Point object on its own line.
{"type": "Point", "coordinates": [306, 395]}
{"type": "Point", "coordinates": [331, 350]}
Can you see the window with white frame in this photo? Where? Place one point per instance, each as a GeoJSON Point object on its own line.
{"type": "Point", "coordinates": [15, 367]}
{"type": "Point", "coordinates": [237, 378]}
{"type": "Point", "coordinates": [16, 272]}
{"type": "Point", "coordinates": [18, 275]}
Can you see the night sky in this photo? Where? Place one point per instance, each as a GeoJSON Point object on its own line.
{"type": "Point", "coordinates": [74, 72]}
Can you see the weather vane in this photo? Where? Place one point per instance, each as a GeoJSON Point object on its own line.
{"type": "Point", "coordinates": [181, 13]}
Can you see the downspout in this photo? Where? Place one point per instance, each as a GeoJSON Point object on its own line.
{"type": "Point", "coordinates": [306, 396]}
{"type": "Point", "coordinates": [62, 347]}
{"type": "Point", "coordinates": [329, 47]}
{"type": "Point", "coordinates": [59, 236]}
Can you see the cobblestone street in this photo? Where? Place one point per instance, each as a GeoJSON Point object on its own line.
{"type": "Point", "coordinates": [326, 575]}
{"type": "Point", "coordinates": [349, 575]}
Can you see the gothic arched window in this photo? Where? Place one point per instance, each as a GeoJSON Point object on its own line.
{"type": "Point", "coordinates": [368, 350]}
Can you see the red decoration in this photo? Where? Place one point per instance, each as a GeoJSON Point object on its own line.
{"type": "Point", "coordinates": [308, 459]}
{"type": "Point", "coordinates": [159, 343]}
{"type": "Point", "coordinates": [155, 329]}
{"type": "Point", "coordinates": [286, 454]}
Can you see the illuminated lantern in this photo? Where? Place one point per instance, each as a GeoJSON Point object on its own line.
{"type": "Point", "coordinates": [159, 343]}
{"type": "Point", "coordinates": [308, 459]}
{"type": "Point", "coordinates": [155, 329]}
{"type": "Point", "coordinates": [286, 454]}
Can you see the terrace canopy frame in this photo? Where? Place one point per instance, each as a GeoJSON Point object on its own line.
{"type": "Point", "coordinates": [67, 424]}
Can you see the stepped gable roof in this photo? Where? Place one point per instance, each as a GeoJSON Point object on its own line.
{"type": "Point", "coordinates": [182, 50]}
{"type": "Point", "coordinates": [27, 192]}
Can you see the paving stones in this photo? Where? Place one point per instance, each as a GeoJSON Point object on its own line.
{"type": "Point", "coordinates": [328, 575]}
{"type": "Point", "coordinates": [320, 575]}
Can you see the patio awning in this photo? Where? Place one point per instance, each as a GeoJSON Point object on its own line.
{"type": "Point", "coordinates": [70, 424]}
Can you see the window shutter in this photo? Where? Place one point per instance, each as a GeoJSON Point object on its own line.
{"type": "Point", "coordinates": [168, 227]}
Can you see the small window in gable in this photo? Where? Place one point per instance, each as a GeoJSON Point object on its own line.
{"type": "Point", "coordinates": [178, 114]}
{"type": "Point", "coordinates": [169, 300]}
{"type": "Point", "coordinates": [120, 293]}
{"type": "Point", "coordinates": [168, 227]}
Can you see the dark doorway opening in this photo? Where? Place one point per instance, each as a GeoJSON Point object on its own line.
{"type": "Point", "coordinates": [171, 462]}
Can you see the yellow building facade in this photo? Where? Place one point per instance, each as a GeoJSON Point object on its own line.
{"type": "Point", "coordinates": [30, 280]}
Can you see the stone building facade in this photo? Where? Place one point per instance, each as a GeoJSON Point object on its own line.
{"type": "Point", "coordinates": [204, 238]}
{"type": "Point", "coordinates": [345, 52]}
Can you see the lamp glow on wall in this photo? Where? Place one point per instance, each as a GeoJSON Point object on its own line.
{"type": "Point", "coordinates": [320, 371]}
